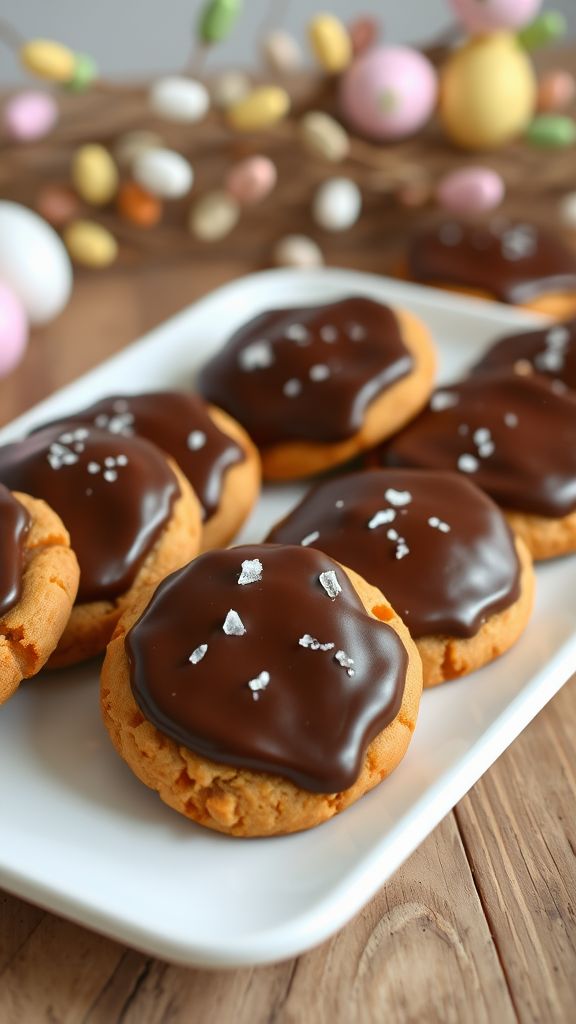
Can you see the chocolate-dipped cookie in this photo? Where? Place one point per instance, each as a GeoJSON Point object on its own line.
{"type": "Point", "coordinates": [212, 450]}
{"type": "Point", "coordinates": [38, 583]}
{"type": "Point", "coordinates": [438, 547]}
{"type": "Point", "coordinates": [550, 350]}
{"type": "Point", "coordinates": [515, 437]}
{"type": "Point", "coordinates": [515, 262]}
{"type": "Point", "coordinates": [131, 514]}
{"type": "Point", "coordinates": [257, 693]}
{"type": "Point", "coordinates": [314, 386]}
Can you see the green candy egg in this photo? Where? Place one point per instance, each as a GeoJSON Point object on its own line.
{"type": "Point", "coordinates": [217, 20]}
{"type": "Point", "coordinates": [551, 131]}
{"type": "Point", "coordinates": [85, 71]}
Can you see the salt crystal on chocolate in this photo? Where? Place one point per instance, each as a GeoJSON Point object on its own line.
{"type": "Point", "coordinates": [233, 625]}
{"type": "Point", "coordinates": [259, 684]}
{"type": "Point", "coordinates": [345, 661]}
{"type": "Point", "coordinates": [198, 654]}
{"type": "Point", "coordinates": [196, 440]}
{"type": "Point", "coordinates": [256, 356]}
{"type": "Point", "coordinates": [251, 571]}
{"type": "Point", "coordinates": [397, 498]}
{"type": "Point", "coordinates": [310, 641]}
{"type": "Point", "coordinates": [386, 515]}
{"type": "Point", "coordinates": [468, 463]}
{"type": "Point", "coordinates": [329, 581]}
{"type": "Point", "coordinates": [309, 539]}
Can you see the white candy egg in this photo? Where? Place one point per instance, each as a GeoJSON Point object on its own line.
{"type": "Point", "coordinates": [567, 210]}
{"type": "Point", "coordinates": [33, 262]}
{"type": "Point", "coordinates": [163, 172]}
{"type": "Point", "coordinates": [228, 88]}
{"type": "Point", "coordinates": [337, 203]}
{"type": "Point", "coordinates": [176, 98]}
{"type": "Point", "coordinates": [297, 251]}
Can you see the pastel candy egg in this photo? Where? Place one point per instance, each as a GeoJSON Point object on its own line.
{"type": "Point", "coordinates": [330, 42]}
{"type": "Point", "coordinates": [297, 251]}
{"type": "Point", "coordinates": [90, 243]}
{"type": "Point", "coordinates": [13, 329]}
{"type": "Point", "coordinates": [567, 210]}
{"type": "Point", "coordinates": [551, 131]}
{"type": "Point", "coordinates": [180, 99]}
{"type": "Point", "coordinates": [388, 92]}
{"type": "Point", "coordinates": [556, 90]}
{"type": "Point", "coordinates": [260, 109]}
{"type": "Point", "coordinates": [48, 59]}
{"type": "Point", "coordinates": [470, 190]}
{"type": "Point", "coordinates": [131, 144]}
{"type": "Point", "coordinates": [251, 179]}
{"type": "Point", "coordinates": [336, 204]}
{"type": "Point", "coordinates": [30, 115]}
{"type": "Point", "coordinates": [85, 71]}
{"type": "Point", "coordinates": [488, 15]}
{"type": "Point", "coordinates": [33, 262]}
{"type": "Point", "coordinates": [228, 88]}
{"type": "Point", "coordinates": [163, 172]}
{"type": "Point", "coordinates": [94, 174]}
{"type": "Point", "coordinates": [138, 206]}
{"type": "Point", "coordinates": [217, 20]}
{"type": "Point", "coordinates": [281, 51]}
{"type": "Point", "coordinates": [214, 216]}
{"type": "Point", "coordinates": [323, 136]}
{"type": "Point", "coordinates": [57, 204]}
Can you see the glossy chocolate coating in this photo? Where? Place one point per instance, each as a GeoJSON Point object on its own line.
{"type": "Point", "coordinates": [443, 553]}
{"type": "Point", "coordinates": [513, 436]}
{"type": "Point", "coordinates": [550, 351]}
{"type": "Point", "coordinates": [513, 261]}
{"type": "Point", "coordinates": [308, 373]}
{"type": "Point", "coordinates": [14, 525]}
{"type": "Point", "coordinates": [114, 510]}
{"type": "Point", "coordinates": [178, 422]}
{"type": "Point", "coordinates": [312, 723]}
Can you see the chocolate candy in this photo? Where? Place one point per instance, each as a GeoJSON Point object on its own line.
{"type": "Point", "coordinates": [114, 495]}
{"type": "Point", "coordinates": [515, 262]}
{"type": "Point", "coordinates": [550, 351]}
{"type": "Point", "coordinates": [308, 373]}
{"type": "Point", "coordinates": [264, 657]}
{"type": "Point", "coordinates": [14, 525]}
{"type": "Point", "coordinates": [513, 436]}
{"type": "Point", "coordinates": [439, 549]}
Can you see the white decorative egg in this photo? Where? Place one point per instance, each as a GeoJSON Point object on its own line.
{"type": "Point", "coordinates": [33, 262]}
{"type": "Point", "coordinates": [176, 98]}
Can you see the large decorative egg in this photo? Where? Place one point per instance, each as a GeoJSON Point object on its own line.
{"type": "Point", "coordinates": [13, 329]}
{"type": "Point", "coordinates": [388, 92]}
{"type": "Point", "coordinates": [487, 92]}
{"type": "Point", "coordinates": [489, 15]}
{"type": "Point", "coordinates": [33, 262]}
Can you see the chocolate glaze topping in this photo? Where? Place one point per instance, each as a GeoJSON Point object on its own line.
{"type": "Point", "coordinates": [14, 525]}
{"type": "Point", "coordinates": [439, 549]}
{"type": "Point", "coordinates": [514, 261]}
{"type": "Point", "coordinates": [114, 495]}
{"type": "Point", "coordinates": [550, 351]}
{"type": "Point", "coordinates": [178, 422]}
{"type": "Point", "coordinates": [222, 661]}
{"type": "Point", "coordinates": [308, 373]}
{"type": "Point", "coordinates": [513, 436]}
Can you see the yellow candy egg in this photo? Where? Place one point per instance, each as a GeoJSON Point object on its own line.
{"type": "Point", "coordinates": [331, 43]}
{"type": "Point", "coordinates": [90, 244]}
{"type": "Point", "coordinates": [487, 92]}
{"type": "Point", "coordinates": [94, 174]}
{"type": "Point", "coordinates": [260, 109]}
{"type": "Point", "coordinates": [48, 59]}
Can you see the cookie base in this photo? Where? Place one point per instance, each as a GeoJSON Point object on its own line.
{"type": "Point", "coordinates": [544, 538]}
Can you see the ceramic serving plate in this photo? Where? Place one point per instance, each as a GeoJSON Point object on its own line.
{"type": "Point", "coordinates": [81, 836]}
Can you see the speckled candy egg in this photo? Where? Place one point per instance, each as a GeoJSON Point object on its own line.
{"type": "Point", "coordinates": [251, 180]}
{"type": "Point", "coordinates": [388, 92]}
{"type": "Point", "coordinates": [13, 329]}
{"type": "Point", "coordinates": [488, 15]}
{"type": "Point", "coordinates": [33, 262]}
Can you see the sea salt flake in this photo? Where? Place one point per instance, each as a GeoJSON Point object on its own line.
{"type": "Point", "coordinates": [443, 400]}
{"type": "Point", "coordinates": [328, 333]}
{"type": "Point", "coordinates": [402, 550]}
{"type": "Point", "coordinates": [196, 440]}
{"type": "Point", "coordinates": [298, 333]}
{"type": "Point", "coordinates": [551, 360]}
{"type": "Point", "coordinates": [481, 435]}
{"type": "Point", "coordinates": [486, 449]}
{"type": "Point", "coordinates": [80, 434]}
{"type": "Point", "coordinates": [518, 243]}
{"type": "Point", "coordinates": [309, 539]}
{"type": "Point", "coordinates": [259, 684]}
{"type": "Point", "coordinates": [345, 661]}
{"type": "Point", "coordinates": [110, 475]}
{"type": "Point", "coordinates": [66, 438]}
{"type": "Point", "coordinates": [397, 498]}
{"type": "Point", "coordinates": [356, 332]}
{"type": "Point", "coordinates": [292, 387]}
{"type": "Point", "coordinates": [392, 534]}
{"type": "Point", "coordinates": [251, 571]}
{"type": "Point", "coordinates": [121, 460]}
{"type": "Point", "coordinates": [438, 524]}
{"type": "Point", "coordinates": [101, 420]}
{"type": "Point", "coordinates": [198, 654]}
{"type": "Point", "coordinates": [313, 643]}
{"type": "Point", "coordinates": [329, 581]}
{"type": "Point", "coordinates": [69, 459]}
{"type": "Point", "coordinates": [558, 337]}
{"type": "Point", "coordinates": [121, 424]}
{"type": "Point", "coordinates": [468, 463]}
{"type": "Point", "coordinates": [93, 467]}
{"type": "Point", "coordinates": [120, 405]}
{"type": "Point", "coordinates": [256, 356]}
{"type": "Point", "coordinates": [385, 515]}
{"type": "Point", "coordinates": [109, 462]}
{"type": "Point", "coordinates": [319, 372]}
{"type": "Point", "coordinates": [233, 625]}
{"type": "Point", "coordinates": [511, 419]}
{"type": "Point", "coordinates": [339, 503]}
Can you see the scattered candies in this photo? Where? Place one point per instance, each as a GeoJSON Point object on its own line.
{"type": "Point", "coordinates": [13, 329]}
{"type": "Point", "coordinates": [556, 90]}
{"type": "Point", "coordinates": [138, 206]}
{"type": "Point", "coordinates": [94, 174]}
{"type": "Point", "coordinates": [336, 204]}
{"type": "Point", "coordinates": [546, 29]}
{"type": "Point", "coordinates": [214, 216]}
{"type": "Point", "coordinates": [90, 244]}
{"type": "Point", "coordinates": [48, 59]}
{"type": "Point", "coordinates": [217, 20]}
{"type": "Point", "coordinates": [176, 98]}
{"type": "Point", "coordinates": [363, 33]}
{"type": "Point", "coordinates": [551, 131]}
{"type": "Point", "coordinates": [489, 15]}
{"type": "Point", "coordinates": [323, 136]}
{"type": "Point", "coordinates": [470, 190]}
{"type": "Point", "coordinates": [132, 144]}
{"type": "Point", "coordinates": [330, 42]}
{"type": "Point", "coordinates": [260, 109]}
{"type": "Point", "coordinates": [388, 92]}
{"type": "Point", "coordinates": [297, 251]}
{"type": "Point", "coordinates": [251, 180]}
{"type": "Point", "coordinates": [281, 51]}
{"type": "Point", "coordinates": [33, 262]}
{"type": "Point", "coordinates": [228, 88]}
{"type": "Point", "coordinates": [57, 204]}
{"type": "Point", "coordinates": [85, 71]}
{"type": "Point", "coordinates": [163, 172]}
{"type": "Point", "coordinates": [567, 210]}
{"type": "Point", "coordinates": [30, 115]}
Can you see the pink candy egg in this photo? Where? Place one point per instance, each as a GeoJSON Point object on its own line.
{"type": "Point", "coordinates": [470, 190]}
{"type": "Point", "coordinates": [488, 15]}
{"type": "Point", "coordinates": [556, 90]}
{"type": "Point", "coordinates": [30, 115]}
{"type": "Point", "coordinates": [388, 92]}
{"type": "Point", "coordinates": [13, 330]}
{"type": "Point", "coordinates": [251, 179]}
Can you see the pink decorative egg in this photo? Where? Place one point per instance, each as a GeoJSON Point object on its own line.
{"type": "Point", "coordinates": [251, 180]}
{"type": "Point", "coordinates": [388, 92]}
{"type": "Point", "coordinates": [30, 115]}
{"type": "Point", "coordinates": [489, 15]}
{"type": "Point", "coordinates": [470, 190]}
{"type": "Point", "coordinates": [13, 329]}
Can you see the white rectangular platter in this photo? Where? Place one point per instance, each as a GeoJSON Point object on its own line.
{"type": "Point", "coordinates": [80, 835]}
